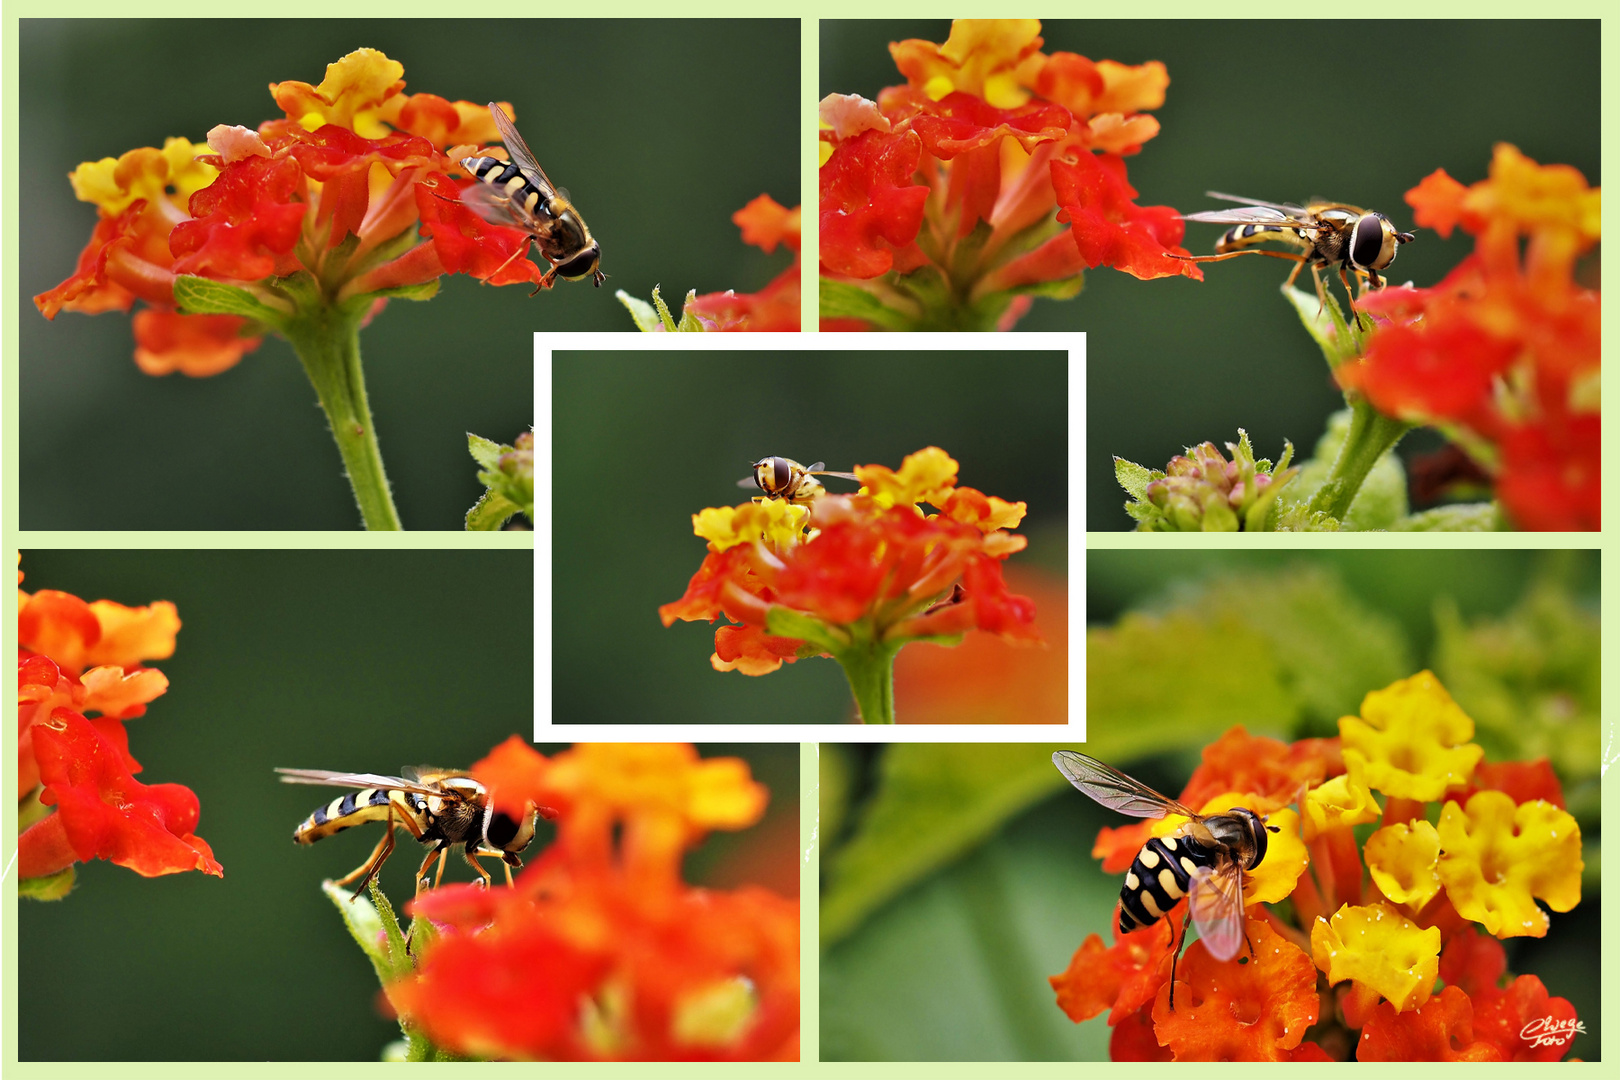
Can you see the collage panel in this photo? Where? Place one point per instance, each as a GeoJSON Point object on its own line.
{"type": "Point", "coordinates": [653, 910]}
{"type": "Point", "coordinates": [1376, 774]}
{"type": "Point", "coordinates": [950, 570]}
{"type": "Point", "coordinates": [262, 220]}
{"type": "Point", "coordinates": [1437, 367]}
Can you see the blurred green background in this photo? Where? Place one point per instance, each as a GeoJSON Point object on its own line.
{"type": "Point", "coordinates": [642, 441]}
{"type": "Point", "coordinates": [365, 661]}
{"type": "Point", "coordinates": [956, 878]}
{"type": "Point", "coordinates": [658, 148]}
{"type": "Point", "coordinates": [1285, 111]}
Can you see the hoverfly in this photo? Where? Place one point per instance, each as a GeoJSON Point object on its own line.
{"type": "Point", "coordinates": [784, 478]}
{"type": "Point", "coordinates": [1357, 240]}
{"type": "Point", "coordinates": [1204, 859]}
{"type": "Point", "coordinates": [519, 194]}
{"type": "Point", "coordinates": [440, 808]}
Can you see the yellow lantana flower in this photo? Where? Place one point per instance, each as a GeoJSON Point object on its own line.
{"type": "Point", "coordinates": [1402, 860]}
{"type": "Point", "coordinates": [1380, 948]}
{"type": "Point", "coordinates": [1498, 857]}
{"type": "Point", "coordinates": [1411, 740]}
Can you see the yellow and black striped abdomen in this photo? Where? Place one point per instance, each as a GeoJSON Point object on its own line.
{"type": "Point", "coordinates": [1159, 878]}
{"type": "Point", "coordinates": [507, 179]}
{"type": "Point", "coordinates": [1239, 237]}
{"type": "Point", "coordinates": [356, 808]}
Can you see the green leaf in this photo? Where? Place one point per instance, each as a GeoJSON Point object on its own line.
{"type": "Point", "coordinates": [1061, 289]}
{"type": "Point", "coordinates": [665, 319]}
{"type": "Point", "coordinates": [51, 887]}
{"type": "Point", "coordinates": [841, 300]}
{"type": "Point", "coordinates": [365, 925]}
{"type": "Point", "coordinates": [1459, 517]}
{"type": "Point", "coordinates": [644, 314]}
{"type": "Point", "coordinates": [690, 323]}
{"type": "Point", "coordinates": [1325, 322]}
{"type": "Point", "coordinates": [427, 290]}
{"type": "Point", "coordinates": [487, 452]}
{"type": "Point", "coordinates": [785, 622]}
{"type": "Point", "coordinates": [491, 512]}
{"type": "Point", "coordinates": [1135, 478]}
{"type": "Point", "coordinates": [935, 801]}
{"type": "Point", "coordinates": [200, 296]}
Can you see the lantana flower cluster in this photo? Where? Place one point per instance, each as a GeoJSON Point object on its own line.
{"type": "Point", "coordinates": [600, 951]}
{"type": "Point", "coordinates": [996, 173]}
{"type": "Point", "coordinates": [304, 227]}
{"type": "Point", "coordinates": [1390, 946]}
{"type": "Point", "coordinates": [1505, 351]}
{"type": "Point", "coordinates": [765, 224]}
{"type": "Point", "coordinates": [80, 675]}
{"type": "Point", "coordinates": [335, 195]}
{"type": "Point", "coordinates": [856, 577]}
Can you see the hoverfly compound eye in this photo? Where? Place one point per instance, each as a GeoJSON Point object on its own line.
{"type": "Point", "coordinates": [502, 829]}
{"type": "Point", "coordinates": [1374, 242]}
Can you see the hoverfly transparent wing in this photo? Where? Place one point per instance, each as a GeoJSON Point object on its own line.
{"type": "Point", "coordinates": [1216, 905]}
{"type": "Point", "coordinates": [1251, 215]}
{"type": "Point", "coordinates": [522, 156]}
{"type": "Point", "coordinates": [1113, 789]}
{"type": "Point", "coordinates": [748, 482]}
{"type": "Point", "coordinates": [330, 778]}
{"type": "Point", "coordinates": [819, 471]}
{"type": "Point", "coordinates": [497, 209]}
{"type": "Point", "coordinates": [1287, 208]}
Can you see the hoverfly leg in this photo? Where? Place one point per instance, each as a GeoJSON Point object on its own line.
{"type": "Point", "coordinates": [547, 279]}
{"type": "Point", "coordinates": [1294, 275]}
{"type": "Point", "coordinates": [1176, 942]}
{"type": "Point", "coordinates": [510, 259]}
{"type": "Point", "coordinates": [371, 867]}
{"type": "Point", "coordinates": [1344, 277]}
{"type": "Point", "coordinates": [478, 866]}
{"type": "Point", "coordinates": [427, 864]}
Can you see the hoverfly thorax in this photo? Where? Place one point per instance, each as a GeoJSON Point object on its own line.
{"type": "Point", "coordinates": [518, 194]}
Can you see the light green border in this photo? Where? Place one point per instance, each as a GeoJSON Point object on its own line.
{"type": "Point", "coordinates": [1343, 53]}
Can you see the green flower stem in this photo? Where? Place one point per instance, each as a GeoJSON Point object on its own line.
{"type": "Point", "coordinates": [1371, 434]}
{"type": "Point", "coordinates": [327, 340]}
{"type": "Point", "coordinates": [869, 666]}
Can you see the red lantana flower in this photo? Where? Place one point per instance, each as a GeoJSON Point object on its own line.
{"type": "Point", "coordinates": [856, 577]}
{"type": "Point", "coordinates": [1373, 928]}
{"type": "Point", "coordinates": [600, 951]}
{"type": "Point", "coordinates": [943, 204]}
{"type": "Point", "coordinates": [1505, 351]}
{"type": "Point", "coordinates": [77, 795]}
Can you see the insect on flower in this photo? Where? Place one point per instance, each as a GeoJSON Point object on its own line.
{"type": "Point", "coordinates": [784, 478]}
{"type": "Point", "coordinates": [1327, 233]}
{"type": "Point", "coordinates": [519, 194]}
{"type": "Point", "coordinates": [440, 808]}
{"type": "Point", "coordinates": [1203, 859]}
